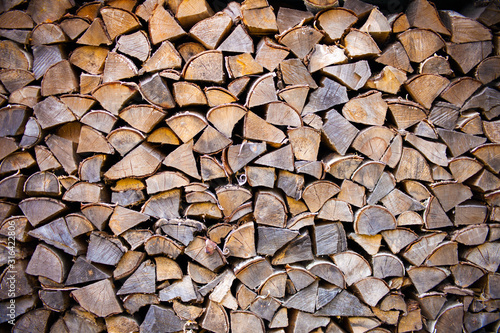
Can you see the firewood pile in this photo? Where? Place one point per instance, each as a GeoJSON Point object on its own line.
{"type": "Point", "coordinates": [324, 168]}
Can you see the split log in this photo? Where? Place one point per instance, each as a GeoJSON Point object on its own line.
{"type": "Point", "coordinates": [87, 162]}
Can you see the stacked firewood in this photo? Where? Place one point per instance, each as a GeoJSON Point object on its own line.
{"type": "Point", "coordinates": [328, 168]}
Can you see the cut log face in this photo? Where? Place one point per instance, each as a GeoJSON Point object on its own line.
{"type": "Point", "coordinates": [169, 166]}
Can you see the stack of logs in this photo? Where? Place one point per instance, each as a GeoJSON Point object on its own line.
{"type": "Point", "coordinates": [166, 168]}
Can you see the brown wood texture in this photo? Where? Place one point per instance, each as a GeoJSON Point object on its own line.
{"type": "Point", "coordinates": [270, 167]}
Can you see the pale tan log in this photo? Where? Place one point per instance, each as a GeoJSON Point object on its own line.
{"type": "Point", "coordinates": [253, 272]}
{"type": "Point", "coordinates": [95, 34]}
{"type": "Point", "coordinates": [353, 266]}
{"type": "Point", "coordinates": [187, 124]}
{"type": "Point", "coordinates": [89, 58]}
{"type": "Point", "coordinates": [371, 244]}
{"type": "Point", "coordinates": [47, 33]}
{"type": "Point", "coordinates": [14, 79]}
{"type": "Point", "coordinates": [45, 159]}
{"type": "Point", "coordinates": [409, 218]}
{"type": "Point", "coordinates": [470, 123]}
{"type": "Point", "coordinates": [206, 66]}
{"type": "Point", "coordinates": [335, 22]}
{"type": "Point", "coordinates": [288, 18]}
{"type": "Point", "coordinates": [487, 154]}
{"type": "Point", "coordinates": [90, 169]}
{"type": "Point", "coordinates": [471, 235]}
{"type": "Point", "coordinates": [459, 143]}
{"type": "Point", "coordinates": [270, 54]}
{"type": "Point", "coordinates": [386, 265]}
{"type": "Point", "coordinates": [352, 193]}
{"type": "Point", "coordinates": [435, 65]}
{"type": "Point", "coordinates": [131, 164]}
{"type": "Point", "coordinates": [411, 40]}
{"type": "Point", "coordinates": [118, 21]}
{"type": "Point", "coordinates": [405, 113]}
{"type": "Point", "coordinates": [242, 65]}
{"type": "Point", "coordinates": [237, 156]}
{"type": "Point", "coordinates": [218, 96]}
{"type": "Point", "coordinates": [211, 31]}
{"type": "Point", "coordinates": [237, 41]}
{"type": "Point", "coordinates": [488, 70]}
{"type": "Point", "coordinates": [230, 197]}
{"type": "Point", "coordinates": [339, 132]}
{"type": "Point", "coordinates": [262, 91]}
{"type": "Point", "coordinates": [270, 209]}
{"type": "Point", "coordinates": [281, 158]}
{"type": "Point", "coordinates": [299, 249]}
{"type": "Point", "coordinates": [211, 141]}
{"type": "Point", "coordinates": [399, 22]}
{"type": "Point", "coordinates": [389, 80]}
{"type": "Point", "coordinates": [65, 152]}
{"type": "Point", "coordinates": [260, 176]}
{"type": "Point", "coordinates": [336, 210]}
{"type": "Point", "coordinates": [359, 44]}
{"type": "Point", "coordinates": [464, 29]}
{"type": "Point", "coordinates": [434, 152]}
{"type": "Point", "coordinates": [74, 26]}
{"type": "Point", "coordinates": [370, 220]}
{"type": "Point", "coordinates": [16, 19]}
{"type": "Point", "coordinates": [450, 194]}
{"type": "Point", "coordinates": [353, 75]}
{"type": "Point", "coordinates": [371, 290]}
{"type": "Point", "coordinates": [420, 249]}
{"type": "Point", "coordinates": [93, 141]}
{"type": "Point", "coordinates": [119, 91]}
{"type": "Point", "coordinates": [484, 181]}
{"type": "Point", "coordinates": [424, 88]}
{"type": "Point", "coordinates": [156, 91]}
{"type": "Point", "coordinates": [192, 11]}
{"type": "Point", "coordinates": [426, 278]}
{"type": "Point", "coordinates": [43, 256]}
{"type": "Point", "coordinates": [256, 128]}
{"type": "Point", "coordinates": [398, 202]}
{"type": "Point", "coordinates": [13, 57]}
{"type": "Point", "coordinates": [162, 26]}
{"type": "Point", "coordinates": [468, 55]}
{"type": "Point", "coordinates": [58, 79]}
{"type": "Point", "coordinates": [444, 115]}
{"type": "Point", "coordinates": [88, 82]}
{"type": "Point", "coordinates": [188, 94]}
{"type": "Point", "coordinates": [102, 290]}
{"type": "Point", "coordinates": [325, 55]}
{"type": "Point", "coordinates": [317, 193]}
{"type": "Point", "coordinates": [342, 167]}
{"type": "Point", "coordinates": [294, 72]}
{"type": "Point", "coordinates": [377, 26]}
{"type": "Point", "coordinates": [182, 158]}
{"type": "Point", "coordinates": [301, 40]}
{"type": "Point", "coordinates": [135, 45]}
{"type": "Point", "coordinates": [165, 57]}
{"type": "Point", "coordinates": [368, 174]}
{"type": "Point", "coordinates": [395, 55]}
{"type": "Point", "coordinates": [368, 108]}
{"type": "Point", "coordinates": [443, 255]}
{"type": "Point", "coordinates": [29, 96]}
{"type": "Point", "coordinates": [318, 101]}
{"type": "Point", "coordinates": [484, 255]}
{"type": "Point", "coordinates": [260, 21]}
{"type": "Point", "coordinates": [124, 139]}
{"type": "Point", "coordinates": [423, 14]}
{"type": "Point", "coordinates": [224, 117]}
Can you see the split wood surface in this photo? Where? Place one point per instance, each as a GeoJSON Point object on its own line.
{"type": "Point", "coordinates": [323, 168]}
